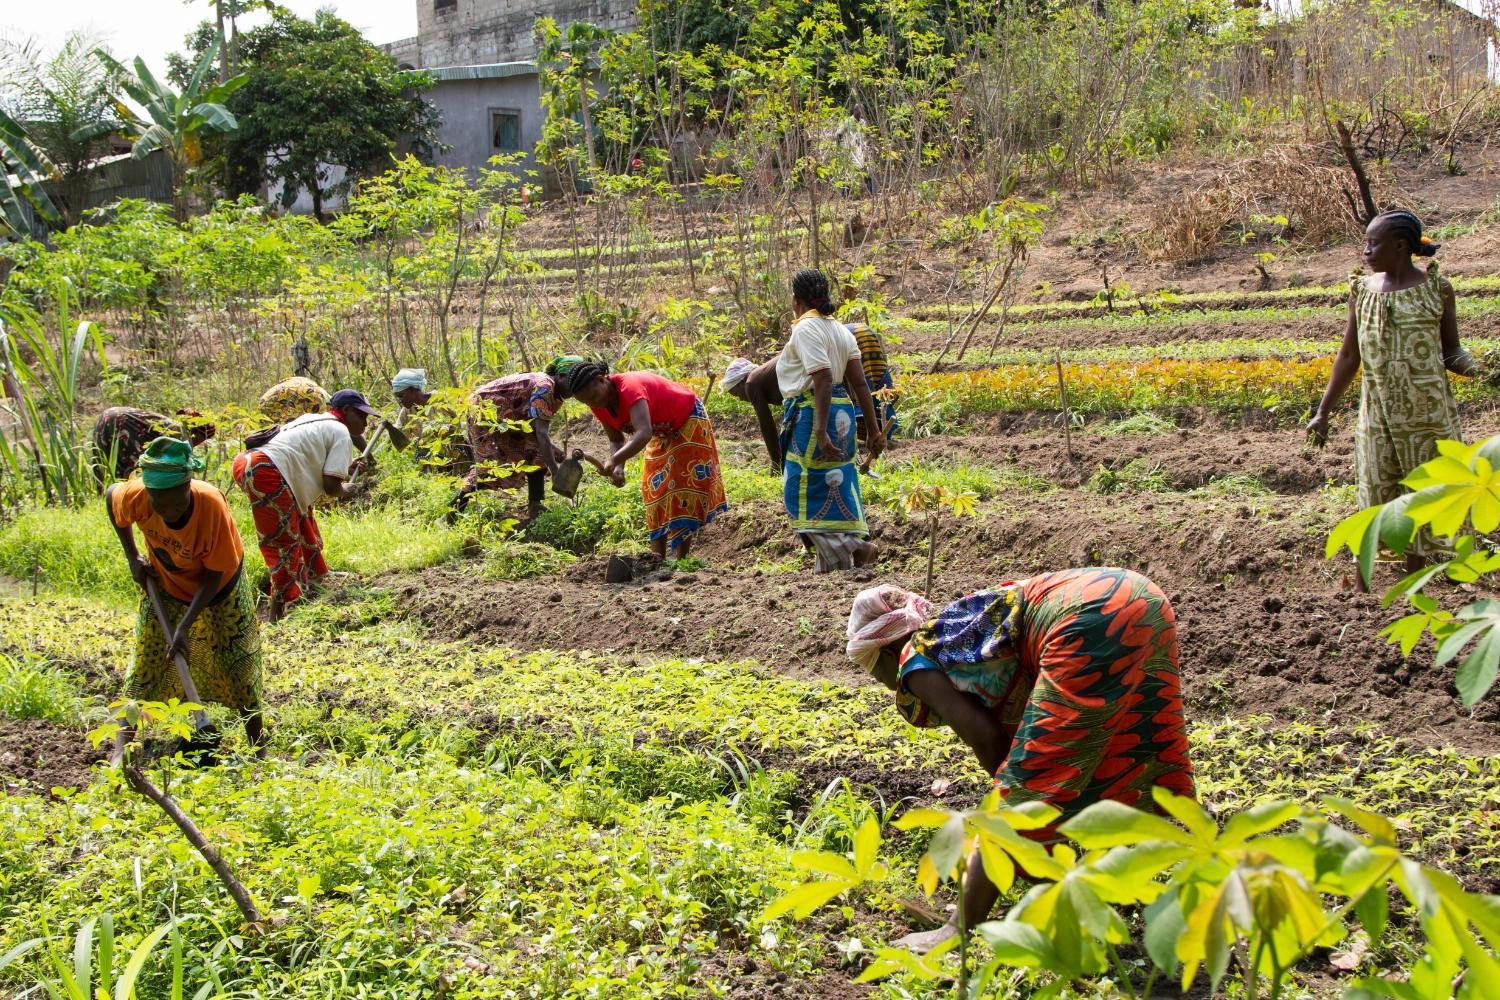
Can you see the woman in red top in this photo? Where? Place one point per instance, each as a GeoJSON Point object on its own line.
{"type": "Point", "coordinates": [643, 412]}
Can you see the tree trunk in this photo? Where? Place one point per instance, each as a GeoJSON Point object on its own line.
{"type": "Point", "coordinates": [317, 199]}
{"type": "Point", "coordinates": [223, 42]}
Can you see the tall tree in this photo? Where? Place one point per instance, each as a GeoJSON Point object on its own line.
{"type": "Point", "coordinates": [320, 96]}
{"type": "Point", "coordinates": [172, 121]}
{"type": "Point", "coordinates": [66, 102]}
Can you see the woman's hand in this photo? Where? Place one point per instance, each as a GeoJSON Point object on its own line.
{"type": "Point", "coordinates": [140, 570]}
{"type": "Point", "coordinates": [829, 451]}
{"type": "Point", "coordinates": [615, 470]}
{"type": "Point", "coordinates": [1317, 429]}
{"type": "Point", "coordinates": [875, 444]}
{"type": "Point", "coordinates": [178, 644]}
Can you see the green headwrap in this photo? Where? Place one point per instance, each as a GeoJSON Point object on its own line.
{"type": "Point", "coordinates": [572, 372]}
{"type": "Point", "coordinates": [168, 462]}
{"type": "Point", "coordinates": [563, 365]}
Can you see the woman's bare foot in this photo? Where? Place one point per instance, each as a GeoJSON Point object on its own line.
{"type": "Point", "coordinates": [922, 942]}
{"type": "Point", "coordinates": [865, 555]}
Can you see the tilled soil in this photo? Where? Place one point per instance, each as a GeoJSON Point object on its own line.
{"type": "Point", "coordinates": [1267, 625]}
{"type": "Point", "coordinates": [37, 756]}
{"type": "Point", "coordinates": [1185, 459]}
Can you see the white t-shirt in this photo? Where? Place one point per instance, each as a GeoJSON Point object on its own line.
{"type": "Point", "coordinates": [818, 343]}
{"type": "Point", "coordinates": [308, 447]}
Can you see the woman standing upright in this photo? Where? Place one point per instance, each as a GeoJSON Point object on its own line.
{"type": "Point", "coordinates": [817, 371]}
{"type": "Point", "coordinates": [1403, 331]}
{"type": "Point", "coordinates": [643, 412]}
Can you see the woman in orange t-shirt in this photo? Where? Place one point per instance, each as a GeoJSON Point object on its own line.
{"type": "Point", "coordinates": [643, 412]}
{"type": "Point", "coordinates": [194, 551]}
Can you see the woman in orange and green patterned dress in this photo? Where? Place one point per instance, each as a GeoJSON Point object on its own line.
{"type": "Point", "coordinates": [1065, 685]}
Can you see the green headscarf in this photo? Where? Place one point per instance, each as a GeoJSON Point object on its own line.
{"type": "Point", "coordinates": [572, 372]}
{"type": "Point", "coordinates": [168, 462]}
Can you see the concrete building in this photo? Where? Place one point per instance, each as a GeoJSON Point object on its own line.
{"type": "Point", "coordinates": [482, 54]}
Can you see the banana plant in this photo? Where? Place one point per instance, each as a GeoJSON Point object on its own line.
{"type": "Point", "coordinates": [171, 122]}
{"type": "Point", "coordinates": [23, 169]}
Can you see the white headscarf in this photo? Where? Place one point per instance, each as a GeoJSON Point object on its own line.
{"type": "Point", "coordinates": [739, 370]}
{"type": "Point", "coordinates": [410, 378]}
{"type": "Point", "coordinates": [882, 615]}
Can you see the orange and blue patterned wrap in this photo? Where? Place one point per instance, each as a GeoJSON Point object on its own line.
{"type": "Point", "coordinates": [680, 480]}
{"type": "Point", "coordinates": [1081, 668]}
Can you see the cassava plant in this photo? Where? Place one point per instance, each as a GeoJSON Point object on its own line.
{"type": "Point", "coordinates": [932, 500]}
{"type": "Point", "coordinates": [1455, 497]}
{"type": "Point", "coordinates": [1011, 227]}
{"type": "Point", "coordinates": [1264, 889]}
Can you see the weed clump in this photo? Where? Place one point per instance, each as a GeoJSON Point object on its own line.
{"type": "Point", "coordinates": [1135, 476]}
{"type": "Point", "coordinates": [1141, 424]}
{"type": "Point", "coordinates": [29, 690]}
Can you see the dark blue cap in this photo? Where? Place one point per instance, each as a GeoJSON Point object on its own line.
{"type": "Point", "coordinates": [350, 399]}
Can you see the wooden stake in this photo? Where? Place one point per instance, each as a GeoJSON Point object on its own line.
{"type": "Point", "coordinates": [142, 784]}
{"type": "Point", "coordinates": [931, 551]}
{"type": "Point", "coordinates": [1062, 392]}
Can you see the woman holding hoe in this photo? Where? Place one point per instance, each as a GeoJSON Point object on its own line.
{"type": "Point", "coordinates": [1064, 685]}
{"type": "Point", "coordinates": [194, 553]}
{"type": "Point", "coordinates": [645, 413]}
{"type": "Point", "coordinates": [309, 458]}
{"type": "Point", "coordinates": [817, 371]}
{"type": "Point", "coordinates": [498, 412]}
{"type": "Point", "coordinates": [1403, 331]}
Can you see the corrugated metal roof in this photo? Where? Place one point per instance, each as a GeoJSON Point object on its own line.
{"type": "Point", "coordinates": [484, 71]}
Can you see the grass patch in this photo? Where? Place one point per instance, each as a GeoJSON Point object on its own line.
{"type": "Point", "coordinates": [74, 550]}
{"type": "Point", "coordinates": [752, 482]}
{"type": "Point", "coordinates": [1240, 486]}
{"type": "Point", "coordinates": [511, 559]}
{"type": "Point", "coordinates": [70, 549]}
{"type": "Point", "coordinates": [34, 690]}
{"type": "Point", "coordinates": [984, 481]}
{"type": "Point", "coordinates": [1140, 424]}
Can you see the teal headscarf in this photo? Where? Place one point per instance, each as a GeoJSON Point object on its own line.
{"type": "Point", "coordinates": [168, 462]}
{"type": "Point", "coordinates": [572, 373]}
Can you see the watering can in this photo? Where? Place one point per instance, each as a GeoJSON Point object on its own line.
{"type": "Point", "coordinates": [570, 473]}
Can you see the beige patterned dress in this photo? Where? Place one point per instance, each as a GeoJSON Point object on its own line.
{"type": "Point", "coordinates": [1406, 404]}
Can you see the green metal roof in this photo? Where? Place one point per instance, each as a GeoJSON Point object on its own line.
{"type": "Point", "coordinates": [485, 71]}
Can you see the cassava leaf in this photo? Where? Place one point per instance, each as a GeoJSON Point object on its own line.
{"type": "Point", "coordinates": [1108, 824]}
